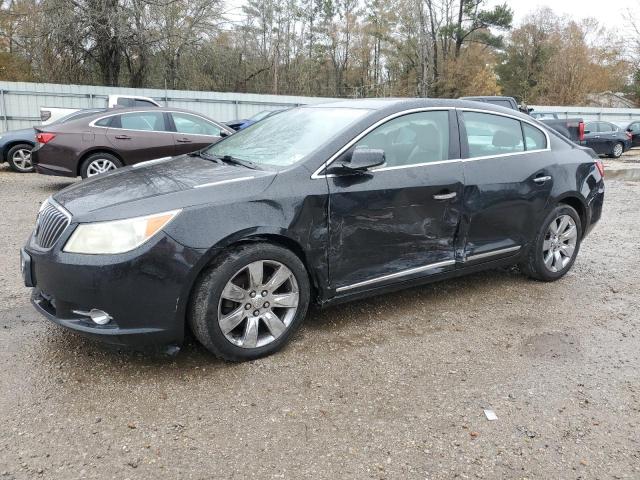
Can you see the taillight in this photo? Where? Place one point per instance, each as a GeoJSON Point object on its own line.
{"type": "Point", "coordinates": [581, 131]}
{"type": "Point", "coordinates": [600, 167]}
{"type": "Point", "coordinates": [44, 137]}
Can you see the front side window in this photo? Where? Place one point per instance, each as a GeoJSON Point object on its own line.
{"type": "Point", "coordinates": [190, 124]}
{"type": "Point", "coordinates": [412, 139]}
{"type": "Point", "coordinates": [489, 134]}
{"type": "Point", "coordinates": [534, 138]}
{"type": "Point", "coordinates": [606, 127]}
{"type": "Point", "coordinates": [286, 138]}
{"type": "Point", "coordinates": [148, 121]}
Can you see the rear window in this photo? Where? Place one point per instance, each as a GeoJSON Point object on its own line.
{"type": "Point", "coordinates": [125, 102]}
{"type": "Point", "coordinates": [143, 103]}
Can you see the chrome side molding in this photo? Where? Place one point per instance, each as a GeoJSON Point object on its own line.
{"type": "Point", "coordinates": [492, 253]}
{"type": "Point", "coordinates": [425, 268]}
{"type": "Point", "coordinates": [393, 276]}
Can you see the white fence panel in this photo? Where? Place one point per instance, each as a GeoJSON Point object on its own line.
{"type": "Point", "coordinates": [621, 116]}
{"type": "Point", "coordinates": [20, 102]}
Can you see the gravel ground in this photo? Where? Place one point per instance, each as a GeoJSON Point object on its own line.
{"type": "Point", "coordinates": [392, 387]}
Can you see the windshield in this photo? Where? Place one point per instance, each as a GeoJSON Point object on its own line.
{"type": "Point", "coordinates": [261, 115]}
{"type": "Point", "coordinates": [286, 138]}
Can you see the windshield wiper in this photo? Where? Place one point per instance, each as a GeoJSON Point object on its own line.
{"type": "Point", "coordinates": [238, 161]}
{"type": "Point", "coordinates": [205, 155]}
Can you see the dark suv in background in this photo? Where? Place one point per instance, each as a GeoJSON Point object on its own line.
{"type": "Point", "coordinates": [108, 140]}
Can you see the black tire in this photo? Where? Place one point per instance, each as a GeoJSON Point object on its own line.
{"type": "Point", "coordinates": [203, 314]}
{"type": "Point", "coordinates": [95, 159]}
{"type": "Point", "coordinates": [15, 162]}
{"type": "Point", "coordinates": [534, 265]}
{"type": "Point", "coordinates": [619, 152]}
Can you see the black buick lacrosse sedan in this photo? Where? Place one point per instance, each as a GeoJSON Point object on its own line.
{"type": "Point", "coordinates": [319, 204]}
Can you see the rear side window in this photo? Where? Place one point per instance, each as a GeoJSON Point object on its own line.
{"type": "Point", "coordinates": [534, 138]}
{"type": "Point", "coordinates": [104, 122]}
{"type": "Point", "coordinates": [605, 127]}
{"type": "Point", "coordinates": [147, 121]}
{"type": "Point", "coordinates": [412, 139]}
{"type": "Point", "coordinates": [489, 135]}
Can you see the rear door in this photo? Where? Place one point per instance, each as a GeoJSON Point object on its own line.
{"type": "Point", "coordinates": [508, 171]}
{"type": "Point", "coordinates": [193, 132]}
{"type": "Point", "coordinates": [608, 136]}
{"type": "Point", "coordinates": [594, 138]}
{"type": "Point", "coordinates": [398, 221]}
{"type": "Point", "coordinates": [140, 136]}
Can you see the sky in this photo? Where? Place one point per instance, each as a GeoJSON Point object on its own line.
{"type": "Point", "coordinates": [613, 14]}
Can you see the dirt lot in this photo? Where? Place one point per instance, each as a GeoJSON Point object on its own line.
{"type": "Point", "coordinates": [392, 387]}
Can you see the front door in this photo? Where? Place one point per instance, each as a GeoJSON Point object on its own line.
{"type": "Point", "coordinates": [193, 132]}
{"type": "Point", "coordinates": [398, 221]}
{"type": "Point", "coordinates": [508, 171]}
{"type": "Point", "coordinates": [140, 136]}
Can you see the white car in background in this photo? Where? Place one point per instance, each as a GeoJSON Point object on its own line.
{"type": "Point", "coordinates": [49, 115]}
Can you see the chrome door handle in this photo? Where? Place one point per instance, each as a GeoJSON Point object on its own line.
{"type": "Point", "coordinates": [445, 196]}
{"type": "Point", "coordinates": [183, 140]}
{"type": "Point", "coordinates": [542, 179]}
{"type": "Point", "coordinates": [123, 137]}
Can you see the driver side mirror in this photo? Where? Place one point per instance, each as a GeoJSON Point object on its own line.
{"type": "Point", "coordinates": [363, 159]}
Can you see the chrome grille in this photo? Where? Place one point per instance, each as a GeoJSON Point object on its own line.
{"type": "Point", "coordinates": [51, 222]}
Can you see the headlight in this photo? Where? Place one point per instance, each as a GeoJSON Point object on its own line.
{"type": "Point", "coordinates": [117, 236]}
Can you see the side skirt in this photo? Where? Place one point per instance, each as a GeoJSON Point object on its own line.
{"type": "Point", "coordinates": [423, 280]}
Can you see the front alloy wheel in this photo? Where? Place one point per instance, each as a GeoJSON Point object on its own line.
{"type": "Point", "coordinates": [100, 165]}
{"type": "Point", "coordinates": [249, 301]}
{"type": "Point", "coordinates": [258, 304]}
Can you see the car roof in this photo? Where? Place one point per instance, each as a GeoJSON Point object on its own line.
{"type": "Point", "coordinates": [392, 105]}
{"type": "Point", "coordinates": [119, 111]}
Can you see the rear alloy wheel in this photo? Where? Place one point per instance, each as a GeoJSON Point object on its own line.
{"type": "Point", "coordinates": [99, 163]}
{"type": "Point", "coordinates": [250, 301]}
{"type": "Point", "coordinates": [556, 245]}
{"type": "Point", "coordinates": [618, 150]}
{"type": "Point", "coordinates": [19, 158]}
{"type": "Point", "coordinates": [559, 243]}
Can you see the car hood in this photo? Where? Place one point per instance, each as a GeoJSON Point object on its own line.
{"type": "Point", "coordinates": [159, 185]}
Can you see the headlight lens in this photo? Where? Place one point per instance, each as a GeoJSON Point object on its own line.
{"type": "Point", "coordinates": [118, 236]}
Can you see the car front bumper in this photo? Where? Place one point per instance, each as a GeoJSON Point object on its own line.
{"type": "Point", "coordinates": [145, 291]}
